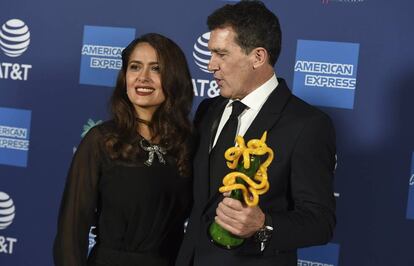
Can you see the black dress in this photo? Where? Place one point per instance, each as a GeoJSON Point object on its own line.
{"type": "Point", "coordinates": [139, 210]}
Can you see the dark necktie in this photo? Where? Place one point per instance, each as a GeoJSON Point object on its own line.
{"type": "Point", "coordinates": [218, 167]}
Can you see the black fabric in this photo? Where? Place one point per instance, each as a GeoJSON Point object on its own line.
{"type": "Point", "coordinates": [300, 199]}
{"type": "Point", "coordinates": [101, 256]}
{"type": "Point", "coordinates": [218, 167]}
{"type": "Point", "coordinates": [139, 209]}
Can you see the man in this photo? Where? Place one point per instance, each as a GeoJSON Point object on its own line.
{"type": "Point", "coordinates": [299, 209]}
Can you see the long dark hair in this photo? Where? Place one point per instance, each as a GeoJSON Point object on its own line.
{"type": "Point", "coordinates": [170, 122]}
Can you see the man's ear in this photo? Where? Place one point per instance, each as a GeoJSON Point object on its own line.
{"type": "Point", "coordinates": [260, 57]}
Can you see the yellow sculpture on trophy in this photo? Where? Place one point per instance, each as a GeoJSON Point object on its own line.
{"type": "Point", "coordinates": [246, 183]}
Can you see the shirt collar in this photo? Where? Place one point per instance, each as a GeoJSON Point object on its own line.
{"type": "Point", "coordinates": [255, 99]}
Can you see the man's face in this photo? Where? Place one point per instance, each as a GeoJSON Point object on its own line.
{"type": "Point", "coordinates": [231, 66]}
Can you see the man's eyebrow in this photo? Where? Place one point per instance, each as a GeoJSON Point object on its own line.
{"type": "Point", "coordinates": [218, 50]}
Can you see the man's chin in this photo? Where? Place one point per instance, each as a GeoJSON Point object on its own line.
{"type": "Point", "coordinates": [224, 93]}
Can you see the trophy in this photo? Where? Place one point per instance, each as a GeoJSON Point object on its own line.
{"type": "Point", "coordinates": [246, 183]}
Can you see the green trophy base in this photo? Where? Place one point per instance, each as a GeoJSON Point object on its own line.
{"type": "Point", "coordinates": [223, 238]}
{"type": "Point", "coordinates": [220, 236]}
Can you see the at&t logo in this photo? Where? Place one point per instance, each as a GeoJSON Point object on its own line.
{"type": "Point", "coordinates": [412, 180]}
{"type": "Point", "coordinates": [7, 210]}
{"type": "Point", "coordinates": [14, 37]}
{"type": "Point", "coordinates": [201, 55]}
{"type": "Point", "coordinates": [7, 213]}
{"type": "Point", "coordinates": [14, 41]}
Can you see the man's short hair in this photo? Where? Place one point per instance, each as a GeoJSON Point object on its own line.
{"type": "Point", "coordinates": [254, 25]}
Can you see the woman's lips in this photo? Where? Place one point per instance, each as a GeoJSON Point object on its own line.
{"type": "Point", "coordinates": [144, 91]}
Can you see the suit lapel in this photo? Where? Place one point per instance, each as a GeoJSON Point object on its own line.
{"type": "Point", "coordinates": [216, 116]}
{"type": "Point", "coordinates": [270, 113]}
{"type": "Point", "coordinates": [208, 131]}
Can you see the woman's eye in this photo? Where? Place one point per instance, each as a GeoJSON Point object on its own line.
{"type": "Point", "coordinates": [156, 68]}
{"type": "Point", "coordinates": [133, 66]}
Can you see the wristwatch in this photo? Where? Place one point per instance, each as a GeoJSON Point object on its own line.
{"type": "Point", "coordinates": [264, 234]}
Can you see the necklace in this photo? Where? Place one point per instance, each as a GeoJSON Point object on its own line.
{"type": "Point", "coordinates": [152, 149]}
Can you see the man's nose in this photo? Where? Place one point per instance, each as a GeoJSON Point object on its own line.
{"type": "Point", "coordinates": [212, 65]}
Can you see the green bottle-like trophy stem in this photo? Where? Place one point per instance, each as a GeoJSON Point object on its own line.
{"type": "Point", "coordinates": [219, 235]}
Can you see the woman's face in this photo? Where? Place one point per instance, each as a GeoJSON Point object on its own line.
{"type": "Point", "coordinates": [143, 80]}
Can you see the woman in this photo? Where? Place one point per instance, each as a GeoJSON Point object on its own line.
{"type": "Point", "coordinates": [132, 174]}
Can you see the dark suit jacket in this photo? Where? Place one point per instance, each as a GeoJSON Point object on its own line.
{"type": "Point", "coordinates": [300, 200]}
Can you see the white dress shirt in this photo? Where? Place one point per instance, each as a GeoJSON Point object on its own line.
{"type": "Point", "coordinates": [254, 102]}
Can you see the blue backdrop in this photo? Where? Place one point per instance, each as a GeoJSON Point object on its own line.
{"type": "Point", "coordinates": [352, 58]}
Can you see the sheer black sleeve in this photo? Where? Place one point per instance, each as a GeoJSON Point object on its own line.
{"type": "Point", "coordinates": [79, 202]}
